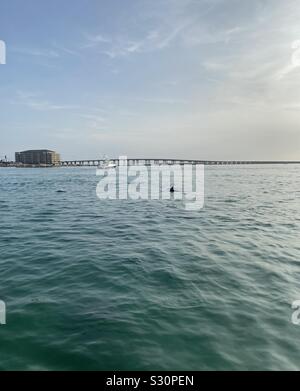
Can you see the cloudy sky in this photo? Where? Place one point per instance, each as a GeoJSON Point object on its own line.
{"type": "Point", "coordinates": [207, 79]}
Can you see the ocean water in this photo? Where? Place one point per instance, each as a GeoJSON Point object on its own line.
{"type": "Point", "coordinates": [147, 285]}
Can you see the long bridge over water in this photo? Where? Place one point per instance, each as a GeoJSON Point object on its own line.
{"type": "Point", "coordinates": [148, 162]}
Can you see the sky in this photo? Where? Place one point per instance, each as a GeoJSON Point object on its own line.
{"type": "Point", "coordinates": [199, 79]}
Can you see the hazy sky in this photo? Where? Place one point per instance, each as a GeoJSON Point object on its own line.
{"type": "Point", "coordinates": [207, 79]}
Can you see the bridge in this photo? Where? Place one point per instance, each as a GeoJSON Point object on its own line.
{"type": "Point", "coordinates": [149, 162]}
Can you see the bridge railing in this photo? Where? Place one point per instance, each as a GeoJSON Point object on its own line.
{"type": "Point", "coordinates": [97, 162]}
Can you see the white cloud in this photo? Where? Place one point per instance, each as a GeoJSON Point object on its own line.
{"type": "Point", "coordinates": [48, 53]}
{"type": "Point", "coordinates": [94, 40]}
{"type": "Point", "coordinates": [121, 46]}
{"type": "Point", "coordinates": [36, 102]}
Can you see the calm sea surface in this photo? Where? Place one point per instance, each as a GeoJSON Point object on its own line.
{"type": "Point", "coordinates": [147, 285]}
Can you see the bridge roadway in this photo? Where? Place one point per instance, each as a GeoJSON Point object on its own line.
{"type": "Point", "coordinates": [148, 162]}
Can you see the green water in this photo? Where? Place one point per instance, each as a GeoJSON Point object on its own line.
{"type": "Point", "coordinates": [147, 285]}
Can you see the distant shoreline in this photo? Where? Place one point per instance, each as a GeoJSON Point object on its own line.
{"type": "Point", "coordinates": [94, 163]}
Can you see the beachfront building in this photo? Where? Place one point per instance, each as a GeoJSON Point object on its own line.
{"type": "Point", "coordinates": [40, 157]}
